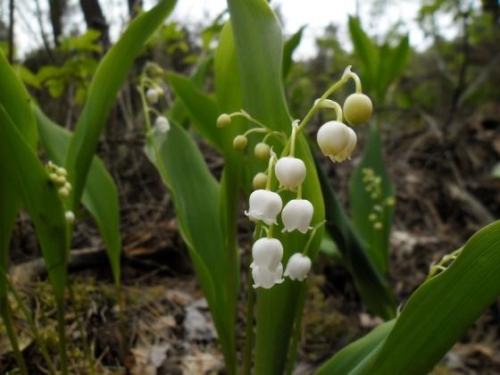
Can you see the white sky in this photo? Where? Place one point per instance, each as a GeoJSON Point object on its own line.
{"type": "Point", "coordinates": [315, 13]}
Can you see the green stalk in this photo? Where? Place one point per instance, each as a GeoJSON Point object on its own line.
{"type": "Point", "coordinates": [247, 362]}
{"type": "Point", "coordinates": [292, 351]}
{"type": "Point", "coordinates": [61, 328]}
{"type": "Point", "coordinates": [9, 327]}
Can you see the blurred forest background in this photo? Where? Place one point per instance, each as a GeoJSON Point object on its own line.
{"type": "Point", "coordinates": [440, 115]}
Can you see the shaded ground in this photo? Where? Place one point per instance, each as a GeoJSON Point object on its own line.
{"type": "Point", "coordinates": [158, 323]}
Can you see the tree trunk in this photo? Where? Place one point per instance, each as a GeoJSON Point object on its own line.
{"type": "Point", "coordinates": [133, 7]}
{"type": "Point", "coordinates": [57, 8]}
{"type": "Point", "coordinates": [10, 35]}
{"type": "Point", "coordinates": [94, 18]}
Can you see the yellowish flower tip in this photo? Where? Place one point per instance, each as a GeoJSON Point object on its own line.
{"type": "Point", "coordinates": [357, 109]}
{"type": "Point", "coordinates": [223, 120]}
{"type": "Point", "coordinates": [390, 201]}
{"type": "Point", "coordinates": [372, 217]}
{"type": "Point", "coordinates": [259, 181]}
{"type": "Point", "coordinates": [63, 192]}
{"type": "Point", "coordinates": [378, 225]}
{"type": "Point", "coordinates": [240, 142]}
{"type": "Point", "coordinates": [262, 151]}
{"type": "Point", "coordinates": [62, 171]}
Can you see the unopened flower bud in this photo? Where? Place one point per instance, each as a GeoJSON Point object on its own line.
{"type": "Point", "coordinates": [298, 267]}
{"type": "Point", "coordinates": [152, 95]}
{"type": "Point", "coordinates": [290, 172]}
{"type": "Point", "coordinates": [336, 140]}
{"type": "Point", "coordinates": [223, 120]}
{"type": "Point", "coordinates": [297, 215]}
{"type": "Point", "coordinates": [62, 171]}
{"type": "Point", "coordinates": [259, 181]}
{"type": "Point", "coordinates": [240, 142]}
{"type": "Point", "coordinates": [358, 109]}
{"type": "Point", "coordinates": [63, 192]}
{"type": "Point", "coordinates": [70, 217]}
{"type": "Point", "coordinates": [264, 205]}
{"type": "Point", "coordinates": [262, 151]}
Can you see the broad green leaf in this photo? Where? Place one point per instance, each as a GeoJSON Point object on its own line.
{"type": "Point", "coordinates": [369, 282]}
{"type": "Point", "coordinates": [259, 57]}
{"type": "Point", "coordinates": [289, 48]}
{"type": "Point", "coordinates": [438, 313]}
{"type": "Point", "coordinates": [15, 100]}
{"type": "Point", "coordinates": [201, 108]}
{"type": "Point", "coordinates": [196, 193]}
{"type": "Point", "coordinates": [19, 165]}
{"type": "Point", "coordinates": [108, 78]}
{"type": "Point", "coordinates": [367, 52]}
{"type": "Point", "coordinates": [355, 356]}
{"type": "Point", "coordinates": [373, 211]}
{"type": "Point", "coordinates": [394, 61]}
{"type": "Point", "coordinates": [100, 195]}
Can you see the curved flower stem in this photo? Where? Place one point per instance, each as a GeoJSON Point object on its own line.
{"type": "Point", "coordinates": [345, 77]}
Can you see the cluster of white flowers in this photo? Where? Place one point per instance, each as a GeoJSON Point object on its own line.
{"type": "Point", "coordinates": [335, 139]}
{"type": "Point", "coordinates": [265, 206]}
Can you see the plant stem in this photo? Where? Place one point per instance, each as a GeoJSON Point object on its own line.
{"type": "Point", "coordinates": [9, 327]}
{"type": "Point", "coordinates": [249, 335]}
{"type": "Point", "coordinates": [61, 328]}
{"type": "Point", "coordinates": [292, 351]}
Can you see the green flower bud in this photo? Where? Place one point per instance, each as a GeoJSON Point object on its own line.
{"type": "Point", "coordinates": [358, 109]}
{"type": "Point", "coordinates": [223, 120]}
{"type": "Point", "coordinates": [262, 151]}
{"type": "Point", "coordinates": [240, 142]}
{"type": "Point", "coordinates": [259, 181]}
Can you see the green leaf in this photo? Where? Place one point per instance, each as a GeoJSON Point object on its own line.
{"type": "Point", "coordinates": [260, 55]}
{"type": "Point", "coordinates": [441, 309]}
{"type": "Point", "coordinates": [290, 46]}
{"type": "Point", "coordinates": [19, 165]}
{"type": "Point", "coordinates": [354, 358]}
{"type": "Point", "coordinates": [100, 195]}
{"type": "Point", "coordinates": [196, 193]}
{"type": "Point", "coordinates": [108, 78]}
{"type": "Point", "coordinates": [395, 60]}
{"type": "Point", "coordinates": [367, 52]}
{"type": "Point", "coordinates": [201, 108]}
{"type": "Point", "coordinates": [16, 100]}
{"type": "Point", "coordinates": [368, 210]}
{"type": "Point", "coordinates": [369, 283]}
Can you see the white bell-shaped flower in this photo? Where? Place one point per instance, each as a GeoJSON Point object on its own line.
{"type": "Point", "coordinates": [336, 140]}
{"type": "Point", "coordinates": [298, 267]}
{"type": "Point", "coordinates": [348, 149]}
{"type": "Point", "coordinates": [162, 125]}
{"type": "Point", "coordinates": [297, 214]}
{"type": "Point", "coordinates": [290, 172]}
{"type": "Point", "coordinates": [267, 253]}
{"type": "Point", "coordinates": [263, 278]}
{"type": "Point", "coordinates": [265, 205]}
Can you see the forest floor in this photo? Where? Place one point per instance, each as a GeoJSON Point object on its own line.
{"type": "Point", "coordinates": [158, 322]}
